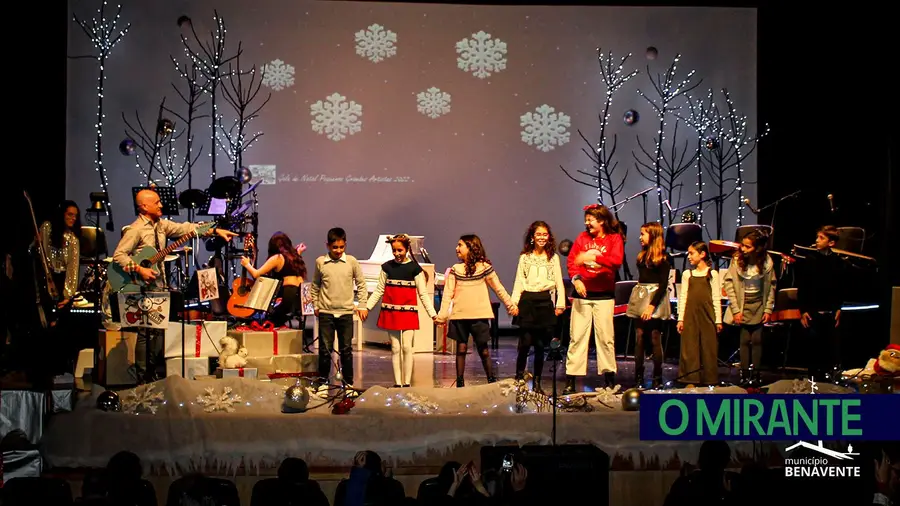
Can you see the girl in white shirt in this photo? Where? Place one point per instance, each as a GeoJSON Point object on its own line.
{"type": "Point", "coordinates": [540, 296]}
{"type": "Point", "coordinates": [699, 319]}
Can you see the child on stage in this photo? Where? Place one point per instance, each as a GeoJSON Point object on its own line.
{"type": "Point", "coordinates": [649, 304]}
{"type": "Point", "coordinates": [467, 304]}
{"type": "Point", "coordinates": [699, 319]}
{"type": "Point", "coordinates": [540, 295]}
{"type": "Point", "coordinates": [750, 286]}
{"type": "Point", "coordinates": [402, 283]}
{"type": "Point", "coordinates": [595, 257]}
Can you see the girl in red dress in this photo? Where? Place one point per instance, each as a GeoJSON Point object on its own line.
{"type": "Point", "coordinates": [401, 283]}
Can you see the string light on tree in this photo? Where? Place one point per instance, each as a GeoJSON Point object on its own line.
{"type": "Point", "coordinates": [699, 118]}
{"type": "Point", "coordinates": [190, 76]}
{"type": "Point", "coordinates": [667, 91]}
{"type": "Point", "coordinates": [240, 94]}
{"type": "Point", "coordinates": [613, 76]}
{"type": "Point", "coordinates": [209, 59]}
{"type": "Point", "coordinates": [738, 136]}
{"type": "Point", "coordinates": [104, 34]}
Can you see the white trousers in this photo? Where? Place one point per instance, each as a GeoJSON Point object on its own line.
{"type": "Point", "coordinates": [599, 315]}
{"type": "Point", "coordinates": [402, 355]}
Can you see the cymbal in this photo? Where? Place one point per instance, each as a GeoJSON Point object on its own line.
{"type": "Point", "coordinates": [225, 187]}
{"type": "Point", "coordinates": [170, 258]}
{"type": "Point", "coordinates": [192, 198]}
{"type": "Point", "coordinates": [852, 255]}
{"type": "Point", "coordinates": [717, 247]}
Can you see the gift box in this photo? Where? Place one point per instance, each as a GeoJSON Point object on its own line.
{"type": "Point", "coordinates": [193, 366]}
{"type": "Point", "coordinates": [115, 358]}
{"type": "Point", "coordinates": [265, 343]}
{"type": "Point", "coordinates": [241, 372]}
{"type": "Point", "coordinates": [306, 363]}
{"type": "Point", "coordinates": [22, 413]}
{"type": "Point", "coordinates": [62, 400]}
{"type": "Point", "coordinates": [201, 339]}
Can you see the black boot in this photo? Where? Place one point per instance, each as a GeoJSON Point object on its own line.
{"type": "Point", "coordinates": [570, 385]}
{"type": "Point", "coordinates": [657, 381]}
{"type": "Point", "coordinates": [639, 379]}
{"type": "Point", "coordinates": [460, 382]}
{"type": "Point", "coordinates": [492, 379]}
{"type": "Point", "coordinates": [536, 385]}
{"type": "Point", "coordinates": [744, 380]}
{"type": "Point", "coordinates": [610, 378]}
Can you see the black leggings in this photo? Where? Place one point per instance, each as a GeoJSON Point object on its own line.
{"type": "Point", "coordinates": [527, 339]}
{"type": "Point", "coordinates": [642, 328]}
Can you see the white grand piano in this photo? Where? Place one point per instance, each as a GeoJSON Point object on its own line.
{"type": "Point", "coordinates": [371, 267]}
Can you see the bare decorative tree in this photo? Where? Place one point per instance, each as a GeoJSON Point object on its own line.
{"type": "Point", "coordinates": [174, 170]}
{"type": "Point", "coordinates": [104, 35]}
{"type": "Point", "coordinates": [210, 59]}
{"type": "Point", "coordinates": [656, 168]}
{"type": "Point", "coordinates": [151, 143]}
{"type": "Point", "coordinates": [743, 144]}
{"type": "Point", "coordinates": [234, 140]}
{"type": "Point", "coordinates": [700, 118]}
{"type": "Point", "coordinates": [603, 175]}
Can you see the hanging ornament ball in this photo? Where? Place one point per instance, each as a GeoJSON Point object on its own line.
{"type": "Point", "coordinates": [688, 217]}
{"type": "Point", "coordinates": [244, 175]}
{"type": "Point", "coordinates": [126, 147]}
{"type": "Point", "coordinates": [165, 127]}
{"type": "Point", "coordinates": [712, 143]}
{"type": "Point", "coordinates": [109, 401]}
{"type": "Point", "coordinates": [564, 247]}
{"type": "Point", "coordinates": [338, 376]}
{"type": "Point", "coordinates": [652, 53]}
{"type": "Point", "coordinates": [631, 399]}
{"type": "Point", "coordinates": [182, 20]}
{"type": "Point", "coordinates": [296, 398]}
{"type": "Point", "coordinates": [631, 117]}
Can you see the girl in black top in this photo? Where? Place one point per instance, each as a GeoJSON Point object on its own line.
{"type": "Point", "coordinates": [285, 264]}
{"type": "Point", "coordinates": [649, 304]}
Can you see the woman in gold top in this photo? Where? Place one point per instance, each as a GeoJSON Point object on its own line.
{"type": "Point", "coordinates": [61, 236]}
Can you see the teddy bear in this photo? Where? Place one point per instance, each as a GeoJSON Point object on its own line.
{"type": "Point", "coordinates": [888, 361]}
{"type": "Point", "coordinates": [232, 356]}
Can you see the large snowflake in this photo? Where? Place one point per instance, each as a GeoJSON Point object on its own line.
{"type": "Point", "coordinates": [481, 55]}
{"type": "Point", "coordinates": [433, 102]}
{"type": "Point", "coordinates": [376, 43]}
{"type": "Point", "coordinates": [545, 128]}
{"type": "Point", "coordinates": [143, 399]}
{"type": "Point", "coordinates": [278, 75]}
{"type": "Point", "coordinates": [224, 401]}
{"type": "Point", "coordinates": [336, 118]}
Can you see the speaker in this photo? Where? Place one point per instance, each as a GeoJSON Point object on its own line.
{"type": "Point", "coordinates": [556, 474]}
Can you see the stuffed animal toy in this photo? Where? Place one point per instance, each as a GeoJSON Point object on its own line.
{"type": "Point", "coordinates": [888, 361]}
{"type": "Point", "coordinates": [232, 356]}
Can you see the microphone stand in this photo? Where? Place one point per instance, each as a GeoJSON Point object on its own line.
{"type": "Point", "coordinates": [642, 194]}
{"type": "Point", "coordinates": [555, 356]}
{"type": "Point", "coordinates": [775, 206]}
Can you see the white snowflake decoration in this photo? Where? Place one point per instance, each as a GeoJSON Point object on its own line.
{"type": "Point", "coordinates": [278, 75]}
{"type": "Point", "coordinates": [336, 118]}
{"type": "Point", "coordinates": [609, 396]}
{"type": "Point", "coordinates": [419, 404]}
{"type": "Point", "coordinates": [143, 400]}
{"type": "Point", "coordinates": [433, 102]}
{"type": "Point", "coordinates": [481, 55]}
{"type": "Point", "coordinates": [545, 128]}
{"type": "Point", "coordinates": [376, 43]}
{"type": "Point", "coordinates": [218, 402]}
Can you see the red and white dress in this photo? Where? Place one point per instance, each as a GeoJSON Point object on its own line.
{"type": "Point", "coordinates": [400, 287]}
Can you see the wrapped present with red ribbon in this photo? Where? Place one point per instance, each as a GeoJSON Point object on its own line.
{"type": "Point", "coordinates": [241, 372]}
{"type": "Point", "coordinates": [201, 339]}
{"type": "Point", "coordinates": [264, 339]}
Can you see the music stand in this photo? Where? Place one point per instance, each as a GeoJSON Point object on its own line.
{"type": "Point", "coordinates": [680, 236]}
{"type": "Point", "coordinates": [851, 239]}
{"type": "Point", "coordinates": [167, 196]}
{"type": "Point", "coordinates": [262, 294]}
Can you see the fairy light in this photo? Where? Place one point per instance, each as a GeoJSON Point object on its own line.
{"type": "Point", "coordinates": [739, 138]}
{"type": "Point", "coordinates": [701, 120]}
{"type": "Point", "coordinates": [235, 141]}
{"type": "Point", "coordinates": [667, 93]}
{"type": "Point", "coordinates": [104, 36]}
{"type": "Point", "coordinates": [614, 79]}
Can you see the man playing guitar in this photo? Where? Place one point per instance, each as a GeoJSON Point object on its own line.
{"type": "Point", "coordinates": [150, 230]}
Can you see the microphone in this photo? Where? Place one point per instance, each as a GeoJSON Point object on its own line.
{"type": "Point", "coordinates": [752, 209]}
{"type": "Point", "coordinates": [831, 201]}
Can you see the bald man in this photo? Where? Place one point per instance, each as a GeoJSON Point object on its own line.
{"type": "Point", "coordinates": [150, 230]}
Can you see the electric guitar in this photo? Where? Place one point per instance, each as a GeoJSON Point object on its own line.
{"type": "Point", "coordinates": [149, 257]}
{"type": "Point", "coordinates": [240, 290]}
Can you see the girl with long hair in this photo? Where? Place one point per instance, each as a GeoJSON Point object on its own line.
{"type": "Point", "coordinates": [468, 305]}
{"type": "Point", "coordinates": [540, 296]}
{"type": "Point", "coordinates": [649, 303]}
{"type": "Point", "coordinates": [596, 255]}
{"type": "Point", "coordinates": [61, 235]}
{"type": "Point", "coordinates": [285, 264]}
{"type": "Point", "coordinates": [402, 284]}
{"type": "Point", "coordinates": [750, 286]}
{"type": "Point", "coordinates": [699, 319]}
